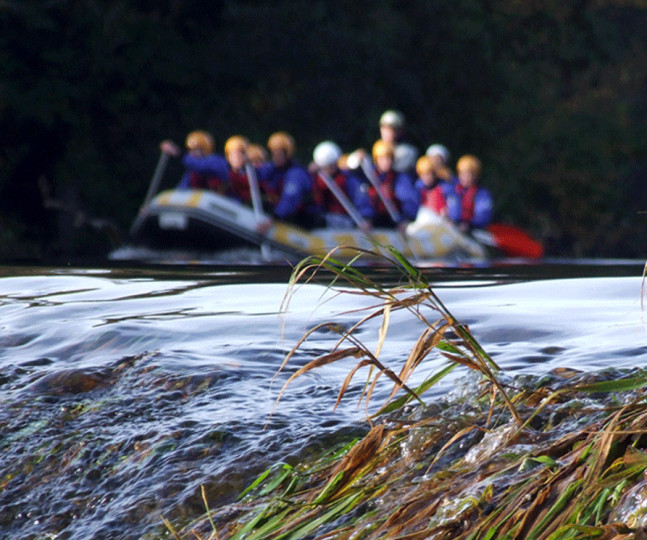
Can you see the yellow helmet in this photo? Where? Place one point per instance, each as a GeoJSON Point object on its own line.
{"type": "Point", "coordinates": [256, 153]}
{"type": "Point", "coordinates": [424, 165]}
{"type": "Point", "coordinates": [282, 141]}
{"type": "Point", "coordinates": [469, 163]}
{"type": "Point", "coordinates": [382, 148]}
{"type": "Point", "coordinates": [236, 143]}
{"type": "Point", "coordinates": [200, 140]}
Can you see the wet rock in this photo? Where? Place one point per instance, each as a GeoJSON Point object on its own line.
{"type": "Point", "coordinates": [71, 381]}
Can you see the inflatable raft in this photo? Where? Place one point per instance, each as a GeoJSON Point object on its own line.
{"type": "Point", "coordinates": [204, 220]}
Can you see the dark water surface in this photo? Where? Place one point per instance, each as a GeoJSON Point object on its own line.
{"type": "Point", "coordinates": [125, 388]}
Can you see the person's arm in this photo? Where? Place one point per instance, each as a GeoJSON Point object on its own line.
{"type": "Point", "coordinates": [211, 164]}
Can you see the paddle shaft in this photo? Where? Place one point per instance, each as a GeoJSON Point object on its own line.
{"type": "Point", "coordinates": [257, 205]}
{"type": "Point", "coordinates": [367, 167]}
{"type": "Point", "coordinates": [254, 190]}
{"type": "Point", "coordinates": [157, 177]}
{"type": "Point", "coordinates": [372, 178]}
{"type": "Point", "coordinates": [350, 208]}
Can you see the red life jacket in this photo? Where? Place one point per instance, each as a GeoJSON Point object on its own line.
{"type": "Point", "coordinates": [201, 180]}
{"type": "Point", "coordinates": [208, 181]}
{"type": "Point", "coordinates": [433, 198]}
{"type": "Point", "coordinates": [387, 188]}
{"type": "Point", "coordinates": [467, 201]}
{"type": "Point", "coordinates": [324, 198]}
{"type": "Point", "coordinates": [240, 186]}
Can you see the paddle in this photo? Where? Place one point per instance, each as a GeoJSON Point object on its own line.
{"type": "Point", "coordinates": [350, 208]}
{"type": "Point", "coordinates": [157, 178]}
{"type": "Point", "coordinates": [367, 167]}
{"type": "Point", "coordinates": [372, 178]}
{"type": "Point", "coordinates": [257, 205]}
{"type": "Point", "coordinates": [514, 241]}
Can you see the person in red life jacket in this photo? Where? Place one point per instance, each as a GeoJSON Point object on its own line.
{"type": "Point", "coordinates": [394, 187]}
{"type": "Point", "coordinates": [430, 187]}
{"type": "Point", "coordinates": [326, 158]}
{"type": "Point", "coordinates": [228, 177]}
{"type": "Point", "coordinates": [471, 204]}
{"type": "Point", "coordinates": [235, 173]}
{"type": "Point", "coordinates": [199, 149]}
{"type": "Point", "coordinates": [287, 185]}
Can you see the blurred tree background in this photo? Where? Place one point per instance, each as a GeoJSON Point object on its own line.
{"type": "Point", "coordinates": [550, 95]}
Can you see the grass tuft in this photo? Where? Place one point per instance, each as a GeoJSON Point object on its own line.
{"type": "Point", "coordinates": [555, 457]}
{"type": "Point", "coordinates": [443, 333]}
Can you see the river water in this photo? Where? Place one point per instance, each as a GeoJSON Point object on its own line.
{"type": "Point", "coordinates": [125, 388]}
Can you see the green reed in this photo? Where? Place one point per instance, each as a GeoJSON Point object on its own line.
{"type": "Point", "coordinates": [556, 457]}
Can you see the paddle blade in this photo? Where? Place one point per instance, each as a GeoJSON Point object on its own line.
{"type": "Point", "coordinates": [515, 242]}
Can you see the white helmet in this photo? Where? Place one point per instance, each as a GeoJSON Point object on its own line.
{"type": "Point", "coordinates": [395, 119]}
{"type": "Point", "coordinates": [326, 153]}
{"type": "Point", "coordinates": [404, 157]}
{"type": "Point", "coordinates": [438, 150]}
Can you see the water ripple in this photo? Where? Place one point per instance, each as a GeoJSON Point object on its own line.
{"type": "Point", "coordinates": [121, 395]}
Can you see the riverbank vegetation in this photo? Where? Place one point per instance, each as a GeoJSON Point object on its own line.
{"type": "Point", "coordinates": [550, 96]}
{"type": "Point", "coordinates": [563, 455]}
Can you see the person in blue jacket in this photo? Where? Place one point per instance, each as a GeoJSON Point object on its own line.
{"type": "Point", "coordinates": [287, 184]}
{"type": "Point", "coordinates": [470, 205]}
{"type": "Point", "coordinates": [396, 187]}
{"type": "Point", "coordinates": [226, 175]}
{"type": "Point", "coordinates": [203, 168]}
{"type": "Point", "coordinates": [351, 208]}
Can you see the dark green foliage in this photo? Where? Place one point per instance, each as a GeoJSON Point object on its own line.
{"type": "Point", "coordinates": [551, 96]}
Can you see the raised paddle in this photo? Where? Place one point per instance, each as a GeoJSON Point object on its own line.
{"type": "Point", "coordinates": [257, 205]}
{"type": "Point", "coordinates": [367, 167]}
{"type": "Point", "coordinates": [350, 208]}
{"type": "Point", "coordinates": [369, 172]}
{"type": "Point", "coordinates": [254, 191]}
{"type": "Point", "coordinates": [157, 177]}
